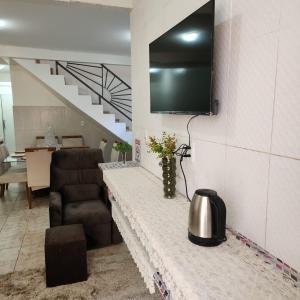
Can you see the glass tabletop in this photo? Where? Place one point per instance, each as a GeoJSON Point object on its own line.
{"type": "Point", "coordinates": [15, 158]}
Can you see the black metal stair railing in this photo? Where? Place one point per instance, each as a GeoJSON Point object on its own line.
{"type": "Point", "coordinates": [102, 82]}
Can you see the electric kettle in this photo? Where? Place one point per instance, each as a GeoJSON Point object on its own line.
{"type": "Point", "coordinates": [207, 218]}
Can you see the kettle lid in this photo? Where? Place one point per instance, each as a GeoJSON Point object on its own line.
{"type": "Point", "coordinates": [206, 192]}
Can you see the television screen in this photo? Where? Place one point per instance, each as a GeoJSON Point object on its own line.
{"type": "Point", "coordinates": [181, 62]}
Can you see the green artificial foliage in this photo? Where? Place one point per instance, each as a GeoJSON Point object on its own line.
{"type": "Point", "coordinates": [164, 147]}
{"type": "Point", "coordinates": [122, 147]}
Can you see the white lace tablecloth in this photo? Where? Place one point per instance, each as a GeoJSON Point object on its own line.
{"type": "Point", "coordinates": [229, 271]}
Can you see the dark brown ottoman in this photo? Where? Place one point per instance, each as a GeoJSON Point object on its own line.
{"type": "Point", "coordinates": [65, 255]}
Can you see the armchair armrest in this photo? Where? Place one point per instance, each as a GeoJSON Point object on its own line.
{"type": "Point", "coordinates": [104, 195]}
{"type": "Point", "coordinates": [55, 209]}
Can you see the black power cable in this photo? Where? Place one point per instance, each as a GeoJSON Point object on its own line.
{"type": "Point", "coordinates": [182, 151]}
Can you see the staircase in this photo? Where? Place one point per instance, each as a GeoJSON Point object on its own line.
{"type": "Point", "coordinates": [107, 99]}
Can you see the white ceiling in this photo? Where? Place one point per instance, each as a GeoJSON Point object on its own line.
{"type": "Point", "coordinates": [69, 26]}
{"type": "Point", "coordinates": [119, 3]}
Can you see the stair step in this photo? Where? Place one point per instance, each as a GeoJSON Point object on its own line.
{"type": "Point", "coordinates": [46, 73]}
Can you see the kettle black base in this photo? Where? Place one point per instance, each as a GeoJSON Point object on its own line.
{"type": "Point", "coordinates": [206, 242]}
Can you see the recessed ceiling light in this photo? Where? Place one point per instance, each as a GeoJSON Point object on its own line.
{"type": "Point", "coordinates": [180, 70]}
{"type": "Point", "coordinates": [190, 36]}
{"type": "Point", "coordinates": [127, 35]}
{"type": "Point", "coordinates": [3, 23]}
{"type": "Point", "coordinates": [154, 70]}
{"type": "Point", "coordinates": [2, 67]}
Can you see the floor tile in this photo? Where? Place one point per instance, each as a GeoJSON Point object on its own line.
{"type": "Point", "coordinates": [22, 231]}
{"type": "Point", "coordinates": [8, 259]}
{"type": "Point", "coordinates": [33, 238]}
{"type": "Point", "coordinates": [11, 241]}
{"type": "Point", "coordinates": [9, 255]}
{"type": "Point", "coordinates": [28, 261]}
{"type": "Point", "coordinates": [7, 233]}
{"type": "Point", "coordinates": [2, 221]}
{"type": "Point", "coordinates": [32, 249]}
{"type": "Point", "coordinates": [7, 266]}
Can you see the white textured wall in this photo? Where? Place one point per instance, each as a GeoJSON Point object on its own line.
{"type": "Point", "coordinates": [250, 152]}
{"type": "Point", "coordinates": [28, 91]}
{"type": "Point", "coordinates": [4, 77]}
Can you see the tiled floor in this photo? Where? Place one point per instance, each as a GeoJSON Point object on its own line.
{"type": "Point", "coordinates": [22, 230]}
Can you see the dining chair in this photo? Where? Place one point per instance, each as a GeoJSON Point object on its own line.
{"type": "Point", "coordinates": [3, 152]}
{"type": "Point", "coordinates": [103, 145]}
{"type": "Point", "coordinates": [4, 166]}
{"type": "Point", "coordinates": [10, 172]}
{"type": "Point", "coordinates": [2, 156]}
{"type": "Point", "coordinates": [115, 155]}
{"type": "Point", "coordinates": [38, 169]}
{"type": "Point", "coordinates": [74, 147]}
{"type": "Point", "coordinates": [40, 141]}
{"type": "Point", "coordinates": [72, 141]}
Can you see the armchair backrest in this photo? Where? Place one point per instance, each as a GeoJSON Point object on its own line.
{"type": "Point", "coordinates": [75, 167]}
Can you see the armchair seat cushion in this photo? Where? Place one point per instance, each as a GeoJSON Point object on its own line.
{"type": "Point", "coordinates": [88, 213]}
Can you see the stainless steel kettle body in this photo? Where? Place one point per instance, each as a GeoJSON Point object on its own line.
{"type": "Point", "coordinates": [207, 218]}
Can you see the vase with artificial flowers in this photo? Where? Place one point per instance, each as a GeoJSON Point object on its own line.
{"type": "Point", "coordinates": [164, 149]}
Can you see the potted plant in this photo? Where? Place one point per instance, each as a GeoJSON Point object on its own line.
{"type": "Point", "coordinates": [123, 148]}
{"type": "Point", "coordinates": [165, 148]}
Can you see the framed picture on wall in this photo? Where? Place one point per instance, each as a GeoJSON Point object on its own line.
{"type": "Point", "coordinates": [137, 143]}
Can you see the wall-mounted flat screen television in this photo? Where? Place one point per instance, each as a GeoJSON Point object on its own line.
{"type": "Point", "coordinates": [181, 66]}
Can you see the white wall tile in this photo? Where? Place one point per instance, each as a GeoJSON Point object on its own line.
{"type": "Point", "coordinates": [283, 221]}
{"type": "Point", "coordinates": [255, 18]}
{"type": "Point", "coordinates": [25, 117]}
{"type": "Point", "coordinates": [251, 92]}
{"type": "Point", "coordinates": [246, 185]}
{"type": "Point", "coordinates": [205, 169]}
{"type": "Point", "coordinates": [290, 13]}
{"type": "Point", "coordinates": [49, 117]}
{"type": "Point", "coordinates": [286, 126]}
{"type": "Point", "coordinates": [222, 11]}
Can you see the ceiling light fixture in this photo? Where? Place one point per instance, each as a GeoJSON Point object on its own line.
{"type": "Point", "coordinates": [2, 67]}
{"type": "Point", "coordinates": [190, 36]}
{"type": "Point", "coordinates": [180, 70]}
{"type": "Point", "coordinates": [154, 70]}
{"type": "Point", "coordinates": [127, 35]}
{"type": "Point", "coordinates": [3, 23]}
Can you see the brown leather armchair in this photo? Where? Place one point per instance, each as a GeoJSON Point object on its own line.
{"type": "Point", "coordinates": [79, 195]}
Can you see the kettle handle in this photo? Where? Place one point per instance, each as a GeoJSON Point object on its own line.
{"type": "Point", "coordinates": [217, 218]}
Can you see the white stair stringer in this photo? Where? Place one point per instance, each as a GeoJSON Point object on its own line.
{"type": "Point", "coordinates": [82, 102]}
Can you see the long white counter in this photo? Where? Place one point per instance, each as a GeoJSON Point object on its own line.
{"type": "Point", "coordinates": [155, 231]}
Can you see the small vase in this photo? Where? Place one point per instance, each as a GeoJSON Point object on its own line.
{"type": "Point", "coordinates": [169, 176]}
{"type": "Point", "coordinates": [124, 157]}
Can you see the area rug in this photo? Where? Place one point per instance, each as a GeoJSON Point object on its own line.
{"type": "Point", "coordinates": [112, 276]}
